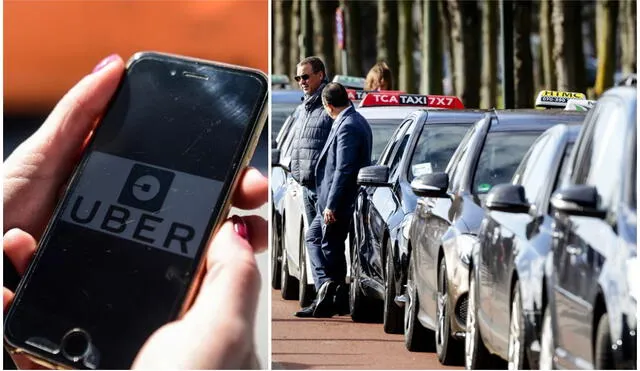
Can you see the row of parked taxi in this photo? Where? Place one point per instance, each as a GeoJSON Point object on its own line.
{"type": "Point", "coordinates": [493, 237]}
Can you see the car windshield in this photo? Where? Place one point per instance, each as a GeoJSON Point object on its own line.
{"type": "Point", "coordinates": [435, 147]}
{"type": "Point", "coordinates": [279, 113]}
{"type": "Point", "coordinates": [500, 156]}
{"type": "Point", "coordinates": [382, 131]}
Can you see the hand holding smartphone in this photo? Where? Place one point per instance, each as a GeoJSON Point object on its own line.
{"type": "Point", "coordinates": [123, 251]}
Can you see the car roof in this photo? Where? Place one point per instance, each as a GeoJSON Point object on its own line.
{"type": "Point", "coordinates": [627, 93]}
{"type": "Point", "coordinates": [533, 119]}
{"type": "Point", "coordinates": [286, 96]}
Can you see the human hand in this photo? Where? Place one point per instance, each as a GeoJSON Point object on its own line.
{"type": "Point", "coordinates": [329, 216]}
{"type": "Point", "coordinates": [217, 331]}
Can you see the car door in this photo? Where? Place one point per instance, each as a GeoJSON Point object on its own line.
{"type": "Point", "coordinates": [581, 243]}
{"type": "Point", "coordinates": [384, 202]}
{"type": "Point", "coordinates": [432, 216]}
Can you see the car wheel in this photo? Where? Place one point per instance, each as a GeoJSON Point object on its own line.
{"type": "Point", "coordinates": [276, 259]}
{"type": "Point", "coordinates": [547, 344]}
{"type": "Point", "coordinates": [447, 348]}
{"type": "Point", "coordinates": [416, 337]}
{"type": "Point", "coordinates": [393, 315]}
{"type": "Point", "coordinates": [517, 356]}
{"type": "Point", "coordinates": [361, 307]}
{"type": "Point", "coordinates": [603, 357]}
{"type": "Point", "coordinates": [476, 355]}
{"type": "Point", "coordinates": [289, 286]}
{"type": "Point", "coordinates": [307, 292]}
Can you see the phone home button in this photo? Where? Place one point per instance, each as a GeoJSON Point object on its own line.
{"type": "Point", "coordinates": [75, 344]}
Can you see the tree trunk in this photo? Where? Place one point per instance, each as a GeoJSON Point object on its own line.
{"type": "Point", "coordinates": [489, 89]}
{"type": "Point", "coordinates": [282, 18]}
{"type": "Point", "coordinates": [465, 17]}
{"type": "Point", "coordinates": [628, 35]}
{"type": "Point", "coordinates": [431, 71]}
{"type": "Point", "coordinates": [546, 42]}
{"type": "Point", "coordinates": [522, 61]}
{"type": "Point", "coordinates": [405, 42]}
{"type": "Point", "coordinates": [445, 21]}
{"type": "Point", "coordinates": [567, 52]}
{"type": "Point", "coordinates": [387, 36]}
{"type": "Point", "coordinates": [607, 14]}
{"type": "Point", "coordinates": [294, 40]}
{"type": "Point", "coordinates": [352, 37]}
{"type": "Point", "coordinates": [323, 33]}
{"type": "Point", "coordinates": [306, 26]}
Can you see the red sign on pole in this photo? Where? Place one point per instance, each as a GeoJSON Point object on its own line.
{"type": "Point", "coordinates": [340, 28]}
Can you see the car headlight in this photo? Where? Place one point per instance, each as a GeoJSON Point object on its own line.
{"type": "Point", "coordinates": [465, 247]}
{"type": "Point", "coordinates": [406, 226]}
{"type": "Point", "coordinates": [632, 277]}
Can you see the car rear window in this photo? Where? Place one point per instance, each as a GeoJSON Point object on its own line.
{"type": "Point", "coordinates": [500, 156]}
{"type": "Point", "coordinates": [434, 149]}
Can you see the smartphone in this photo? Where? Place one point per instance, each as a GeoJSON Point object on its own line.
{"type": "Point", "coordinates": [124, 251]}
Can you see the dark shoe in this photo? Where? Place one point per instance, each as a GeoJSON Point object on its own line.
{"type": "Point", "coordinates": [341, 300]}
{"type": "Point", "coordinates": [324, 300]}
{"type": "Point", "coordinates": [307, 311]}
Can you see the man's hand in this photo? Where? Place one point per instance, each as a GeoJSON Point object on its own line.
{"type": "Point", "coordinates": [329, 216]}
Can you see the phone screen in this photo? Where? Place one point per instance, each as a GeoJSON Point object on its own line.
{"type": "Point", "coordinates": [125, 242]}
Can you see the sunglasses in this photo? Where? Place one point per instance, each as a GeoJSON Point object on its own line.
{"type": "Point", "coordinates": [304, 77]}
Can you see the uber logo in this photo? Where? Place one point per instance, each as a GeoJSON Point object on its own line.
{"type": "Point", "coordinates": [146, 188]}
{"type": "Point", "coordinates": [157, 207]}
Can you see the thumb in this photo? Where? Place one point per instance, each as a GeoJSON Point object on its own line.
{"type": "Point", "coordinates": [228, 298]}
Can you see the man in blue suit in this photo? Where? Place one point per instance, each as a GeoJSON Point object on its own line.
{"type": "Point", "coordinates": [347, 149]}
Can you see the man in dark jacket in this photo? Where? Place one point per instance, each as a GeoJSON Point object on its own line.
{"type": "Point", "coordinates": [312, 125]}
{"type": "Point", "coordinates": [347, 149]}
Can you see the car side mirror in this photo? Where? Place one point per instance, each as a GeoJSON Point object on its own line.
{"type": "Point", "coordinates": [375, 175]}
{"type": "Point", "coordinates": [431, 185]}
{"type": "Point", "coordinates": [581, 200]}
{"type": "Point", "coordinates": [508, 198]}
{"type": "Point", "coordinates": [274, 143]}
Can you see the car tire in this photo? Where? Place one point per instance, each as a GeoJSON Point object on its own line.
{"type": "Point", "coordinates": [289, 284]}
{"type": "Point", "coordinates": [276, 258]}
{"type": "Point", "coordinates": [517, 356]}
{"type": "Point", "coordinates": [306, 292]}
{"type": "Point", "coordinates": [448, 349]}
{"type": "Point", "coordinates": [416, 337]}
{"type": "Point", "coordinates": [603, 358]}
{"type": "Point", "coordinates": [547, 343]}
{"type": "Point", "coordinates": [393, 315]}
{"type": "Point", "coordinates": [476, 355]}
{"type": "Point", "coordinates": [361, 307]}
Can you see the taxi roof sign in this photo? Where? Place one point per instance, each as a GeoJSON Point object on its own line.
{"type": "Point", "coordinates": [401, 99]}
{"type": "Point", "coordinates": [552, 98]}
{"type": "Point", "coordinates": [349, 81]}
{"type": "Point", "coordinates": [358, 94]}
{"type": "Point", "coordinates": [579, 105]}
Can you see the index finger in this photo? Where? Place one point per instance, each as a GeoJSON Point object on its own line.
{"type": "Point", "coordinates": [252, 191]}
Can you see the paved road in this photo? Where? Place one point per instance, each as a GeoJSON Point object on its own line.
{"type": "Point", "coordinates": [337, 343]}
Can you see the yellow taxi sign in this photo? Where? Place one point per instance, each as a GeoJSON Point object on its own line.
{"type": "Point", "coordinates": [552, 98]}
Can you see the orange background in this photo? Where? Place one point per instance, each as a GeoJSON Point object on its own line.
{"type": "Point", "coordinates": [50, 45]}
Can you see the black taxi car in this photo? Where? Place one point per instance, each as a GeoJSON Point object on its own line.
{"type": "Point", "coordinates": [507, 267]}
{"type": "Point", "coordinates": [447, 219]}
{"type": "Point", "coordinates": [592, 269]}
{"type": "Point", "coordinates": [423, 143]}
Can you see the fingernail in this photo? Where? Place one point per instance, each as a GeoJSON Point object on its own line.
{"type": "Point", "coordinates": [240, 227]}
{"type": "Point", "coordinates": [103, 63]}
